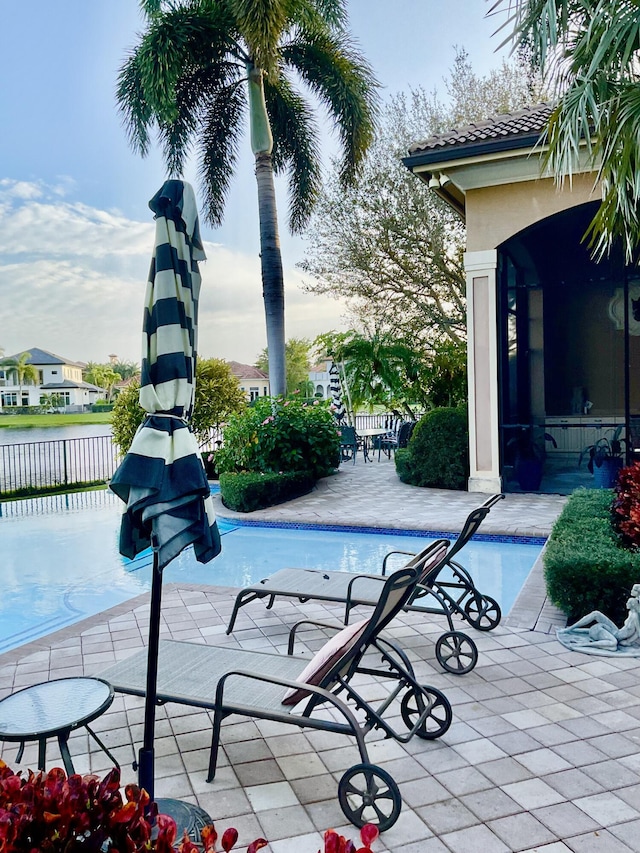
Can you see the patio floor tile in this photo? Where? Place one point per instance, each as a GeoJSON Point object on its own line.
{"type": "Point", "coordinates": [565, 819]}
{"type": "Point", "coordinates": [475, 838]}
{"type": "Point", "coordinates": [447, 815]}
{"type": "Point", "coordinates": [606, 808]}
{"type": "Point", "coordinates": [521, 830]}
{"type": "Point", "coordinates": [532, 793]}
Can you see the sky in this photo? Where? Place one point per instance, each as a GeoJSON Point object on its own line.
{"type": "Point", "coordinates": [76, 233]}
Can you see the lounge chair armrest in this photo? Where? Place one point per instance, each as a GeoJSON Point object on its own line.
{"type": "Point", "coordinates": [391, 553]}
{"type": "Point", "coordinates": [493, 500]}
{"type": "Point", "coordinates": [319, 692]}
{"type": "Point", "coordinates": [292, 632]}
{"type": "Point", "coordinates": [354, 580]}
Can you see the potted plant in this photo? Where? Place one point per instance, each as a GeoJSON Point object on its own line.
{"type": "Point", "coordinates": [605, 458]}
{"type": "Point", "coordinates": [529, 448]}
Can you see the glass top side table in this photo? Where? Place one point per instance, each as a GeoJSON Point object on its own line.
{"type": "Point", "coordinates": [54, 709]}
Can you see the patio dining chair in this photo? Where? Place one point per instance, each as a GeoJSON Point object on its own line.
{"type": "Point", "coordinates": [350, 443]}
{"type": "Point", "coordinates": [324, 693]}
{"type": "Point", "coordinates": [389, 443]}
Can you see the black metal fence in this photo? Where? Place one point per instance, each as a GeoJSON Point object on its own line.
{"type": "Point", "coordinates": [40, 464]}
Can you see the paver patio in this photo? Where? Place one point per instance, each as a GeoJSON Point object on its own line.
{"type": "Point", "coordinates": [543, 753]}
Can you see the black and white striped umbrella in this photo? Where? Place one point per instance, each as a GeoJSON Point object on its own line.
{"type": "Point", "coordinates": [162, 478]}
{"type": "Point", "coordinates": [335, 387]}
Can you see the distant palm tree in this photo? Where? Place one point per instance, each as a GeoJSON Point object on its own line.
{"type": "Point", "coordinates": [21, 369]}
{"type": "Point", "coordinates": [102, 375]}
{"type": "Point", "coordinates": [381, 370]}
{"type": "Point", "coordinates": [202, 65]}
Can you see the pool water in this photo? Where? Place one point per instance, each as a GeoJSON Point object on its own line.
{"type": "Point", "coordinates": [60, 561]}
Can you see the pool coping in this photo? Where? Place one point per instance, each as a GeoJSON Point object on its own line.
{"type": "Point", "coordinates": [513, 539]}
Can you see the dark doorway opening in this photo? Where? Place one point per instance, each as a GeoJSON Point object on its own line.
{"type": "Point", "coordinates": [569, 351]}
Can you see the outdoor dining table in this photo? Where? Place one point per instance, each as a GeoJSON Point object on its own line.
{"type": "Point", "coordinates": [368, 435]}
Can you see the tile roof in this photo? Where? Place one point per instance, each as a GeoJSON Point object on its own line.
{"type": "Point", "coordinates": [246, 371]}
{"type": "Point", "coordinates": [69, 383]}
{"type": "Point", "coordinates": [526, 122]}
{"type": "Point", "coordinates": [43, 356]}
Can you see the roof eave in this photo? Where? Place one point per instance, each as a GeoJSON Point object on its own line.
{"type": "Point", "coordinates": [473, 149]}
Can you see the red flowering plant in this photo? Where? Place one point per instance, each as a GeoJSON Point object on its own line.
{"type": "Point", "coordinates": [53, 813]}
{"type": "Point", "coordinates": [626, 506]}
{"type": "Point", "coordinates": [334, 843]}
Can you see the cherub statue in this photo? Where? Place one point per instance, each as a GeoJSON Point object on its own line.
{"type": "Point", "coordinates": [596, 634]}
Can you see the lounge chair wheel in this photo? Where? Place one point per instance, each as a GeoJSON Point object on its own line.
{"type": "Point", "coordinates": [456, 652]}
{"type": "Point", "coordinates": [486, 616]}
{"type": "Point", "coordinates": [368, 794]}
{"type": "Point", "coordinates": [439, 717]}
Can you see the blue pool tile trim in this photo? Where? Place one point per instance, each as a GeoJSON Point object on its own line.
{"type": "Point", "coordinates": [390, 531]}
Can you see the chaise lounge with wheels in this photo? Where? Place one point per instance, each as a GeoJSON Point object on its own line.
{"type": "Point", "coordinates": [291, 689]}
{"type": "Point", "coordinates": [445, 589]}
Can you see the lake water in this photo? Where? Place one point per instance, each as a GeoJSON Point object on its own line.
{"type": "Point", "coordinates": [20, 435]}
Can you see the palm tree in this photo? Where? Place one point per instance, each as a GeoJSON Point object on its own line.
{"type": "Point", "coordinates": [202, 65]}
{"type": "Point", "coordinates": [380, 370]}
{"type": "Point", "coordinates": [24, 373]}
{"type": "Point", "coordinates": [589, 49]}
{"type": "Point", "coordinates": [103, 376]}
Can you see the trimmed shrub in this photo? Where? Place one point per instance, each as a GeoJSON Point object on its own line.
{"type": "Point", "coordinates": [626, 506]}
{"type": "Point", "coordinates": [281, 435]}
{"type": "Point", "coordinates": [250, 490]}
{"type": "Point", "coordinates": [437, 455]}
{"type": "Point", "coordinates": [585, 566]}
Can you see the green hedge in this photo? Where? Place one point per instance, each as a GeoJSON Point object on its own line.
{"type": "Point", "coordinates": [585, 566]}
{"type": "Point", "coordinates": [249, 490]}
{"type": "Point", "coordinates": [437, 456]}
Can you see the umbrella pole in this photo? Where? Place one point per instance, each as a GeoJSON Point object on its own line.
{"type": "Point", "coordinates": [146, 755]}
{"type": "Point", "coordinates": [188, 817]}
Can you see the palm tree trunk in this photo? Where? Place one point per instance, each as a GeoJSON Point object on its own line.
{"type": "Point", "coordinates": [270, 256]}
{"type": "Point", "coordinates": [272, 275]}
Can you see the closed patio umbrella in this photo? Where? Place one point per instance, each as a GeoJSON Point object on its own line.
{"type": "Point", "coordinates": [162, 479]}
{"type": "Point", "coordinates": [335, 388]}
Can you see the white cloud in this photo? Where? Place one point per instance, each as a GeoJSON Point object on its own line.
{"type": "Point", "coordinates": [19, 189]}
{"type": "Point", "coordinates": [72, 281]}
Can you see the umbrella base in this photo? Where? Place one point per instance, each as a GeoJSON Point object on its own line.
{"type": "Point", "coordinates": [187, 816]}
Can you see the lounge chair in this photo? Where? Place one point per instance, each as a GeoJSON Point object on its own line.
{"type": "Point", "coordinates": [295, 690]}
{"type": "Point", "coordinates": [455, 593]}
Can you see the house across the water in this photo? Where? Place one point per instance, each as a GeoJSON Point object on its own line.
{"type": "Point", "coordinates": [59, 383]}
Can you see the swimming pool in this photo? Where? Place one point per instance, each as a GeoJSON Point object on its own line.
{"type": "Point", "coordinates": [60, 560]}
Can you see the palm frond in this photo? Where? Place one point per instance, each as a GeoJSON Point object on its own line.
{"type": "Point", "coordinates": [262, 23]}
{"type": "Point", "coordinates": [295, 147]}
{"type": "Point", "coordinates": [193, 94]}
{"type": "Point", "coordinates": [136, 112]}
{"type": "Point", "coordinates": [344, 81]}
{"type": "Point", "coordinates": [219, 144]}
{"type": "Point", "coordinates": [318, 15]}
{"type": "Point", "coordinates": [175, 42]}
{"type": "Point", "coordinates": [151, 8]}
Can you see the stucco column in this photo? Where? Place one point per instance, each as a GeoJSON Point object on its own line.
{"type": "Point", "coordinates": [482, 363]}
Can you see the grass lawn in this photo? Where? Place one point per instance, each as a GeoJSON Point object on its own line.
{"type": "Point", "coordinates": [25, 421]}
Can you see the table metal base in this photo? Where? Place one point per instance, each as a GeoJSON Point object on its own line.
{"type": "Point", "coordinates": [187, 816]}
